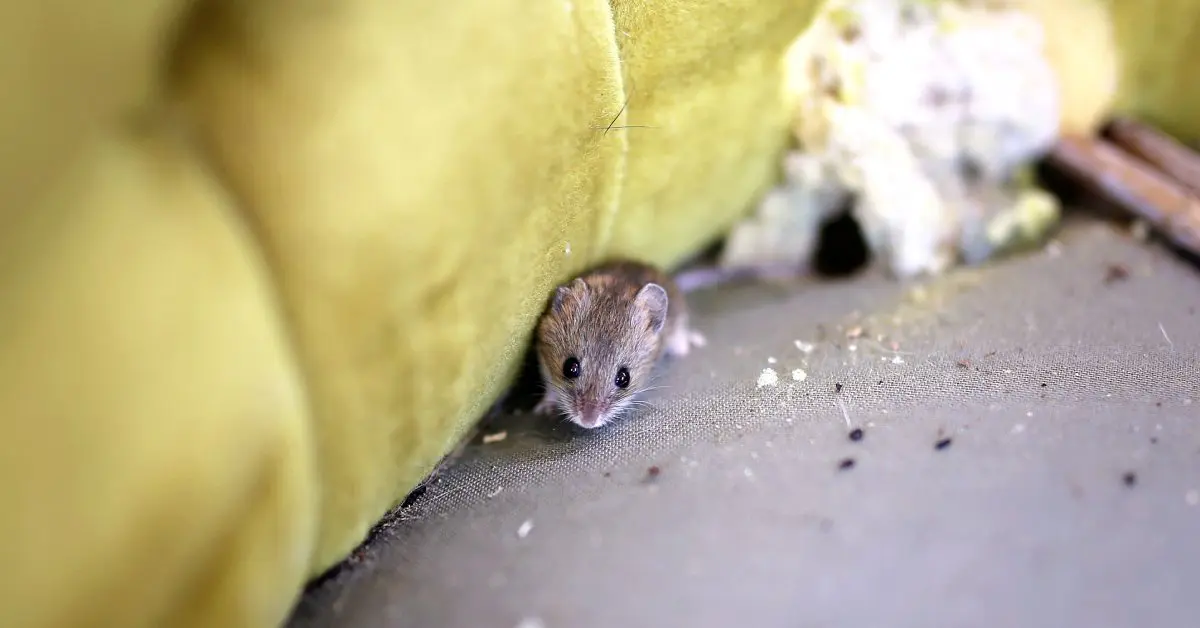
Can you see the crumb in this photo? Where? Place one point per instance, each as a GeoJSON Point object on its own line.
{"type": "Point", "coordinates": [768, 377]}
{"type": "Point", "coordinates": [525, 528]}
{"type": "Point", "coordinates": [1115, 273]}
{"type": "Point", "coordinates": [1130, 478]}
{"type": "Point", "coordinates": [943, 443]}
{"type": "Point", "coordinates": [799, 375]}
{"type": "Point", "coordinates": [495, 492]}
{"type": "Point", "coordinates": [837, 387]}
{"type": "Point", "coordinates": [856, 434]}
{"type": "Point", "coordinates": [653, 472]}
{"type": "Point", "coordinates": [846, 463]}
{"type": "Point", "coordinates": [897, 360]}
{"type": "Point", "coordinates": [804, 347]}
{"type": "Point", "coordinates": [771, 360]}
{"type": "Point", "coordinates": [488, 439]}
{"type": "Point", "coordinates": [966, 364]}
{"type": "Point", "coordinates": [607, 474]}
{"type": "Point", "coordinates": [854, 332]}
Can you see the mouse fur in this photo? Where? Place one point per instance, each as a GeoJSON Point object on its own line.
{"type": "Point", "coordinates": [601, 336]}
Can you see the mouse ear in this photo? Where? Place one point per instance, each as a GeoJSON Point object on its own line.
{"type": "Point", "coordinates": [577, 290]}
{"type": "Point", "coordinates": [653, 298]}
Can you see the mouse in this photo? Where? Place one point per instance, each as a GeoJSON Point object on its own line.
{"type": "Point", "coordinates": [601, 336]}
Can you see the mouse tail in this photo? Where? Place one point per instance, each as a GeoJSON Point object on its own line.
{"type": "Point", "coordinates": [701, 277]}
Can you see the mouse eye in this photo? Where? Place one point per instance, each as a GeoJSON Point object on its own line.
{"type": "Point", "coordinates": [622, 377]}
{"type": "Point", "coordinates": [571, 368]}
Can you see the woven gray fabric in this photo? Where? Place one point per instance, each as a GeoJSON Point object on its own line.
{"type": "Point", "coordinates": [1067, 495]}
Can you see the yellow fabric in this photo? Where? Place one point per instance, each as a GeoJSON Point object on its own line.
{"type": "Point", "coordinates": [227, 347]}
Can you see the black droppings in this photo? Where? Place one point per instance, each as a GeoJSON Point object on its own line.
{"type": "Point", "coordinates": [1130, 478]}
{"type": "Point", "coordinates": [856, 434]}
{"type": "Point", "coordinates": [837, 387]}
{"type": "Point", "coordinates": [1115, 273]}
{"type": "Point", "coordinates": [943, 443]}
{"type": "Point", "coordinates": [1153, 440]}
{"type": "Point", "coordinates": [1043, 384]}
{"type": "Point", "coordinates": [845, 464]}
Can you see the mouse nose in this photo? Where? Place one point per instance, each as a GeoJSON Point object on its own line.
{"type": "Point", "coordinates": [589, 413]}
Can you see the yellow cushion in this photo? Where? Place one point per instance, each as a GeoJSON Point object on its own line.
{"type": "Point", "coordinates": [227, 348]}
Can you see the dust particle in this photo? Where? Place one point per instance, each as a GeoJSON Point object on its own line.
{"type": "Point", "coordinates": [837, 387]}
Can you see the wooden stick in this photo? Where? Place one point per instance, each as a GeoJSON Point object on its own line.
{"type": "Point", "coordinates": [1133, 186]}
{"type": "Point", "coordinates": [1159, 149]}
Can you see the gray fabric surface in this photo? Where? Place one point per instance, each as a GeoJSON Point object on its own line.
{"type": "Point", "coordinates": [1052, 383]}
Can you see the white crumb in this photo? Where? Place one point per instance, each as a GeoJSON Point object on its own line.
{"type": "Point", "coordinates": [531, 622]}
{"type": "Point", "coordinates": [1192, 497]}
{"type": "Point", "coordinates": [804, 347]}
{"type": "Point", "coordinates": [897, 360]}
{"type": "Point", "coordinates": [853, 347]}
{"type": "Point", "coordinates": [768, 377]}
{"type": "Point", "coordinates": [488, 439]}
{"type": "Point", "coordinates": [495, 492]}
{"type": "Point", "coordinates": [1018, 428]}
{"type": "Point", "coordinates": [567, 248]}
{"type": "Point", "coordinates": [748, 473]}
{"type": "Point", "coordinates": [771, 360]}
{"type": "Point", "coordinates": [799, 375]}
{"type": "Point", "coordinates": [1030, 413]}
{"type": "Point", "coordinates": [523, 531]}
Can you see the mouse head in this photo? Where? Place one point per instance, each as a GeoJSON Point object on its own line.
{"type": "Point", "coordinates": [597, 345]}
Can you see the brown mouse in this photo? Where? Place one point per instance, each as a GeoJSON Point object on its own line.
{"type": "Point", "coordinates": [601, 336]}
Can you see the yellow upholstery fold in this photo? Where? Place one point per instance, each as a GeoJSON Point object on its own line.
{"type": "Point", "coordinates": [222, 362]}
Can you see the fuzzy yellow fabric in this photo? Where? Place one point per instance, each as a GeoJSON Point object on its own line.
{"type": "Point", "coordinates": [262, 262]}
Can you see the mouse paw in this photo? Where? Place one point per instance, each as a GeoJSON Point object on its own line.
{"type": "Point", "coordinates": [547, 406]}
{"type": "Point", "coordinates": [680, 343]}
